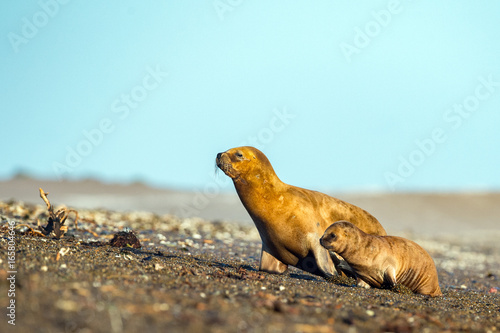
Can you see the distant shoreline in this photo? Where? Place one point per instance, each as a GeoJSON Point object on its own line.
{"type": "Point", "coordinates": [436, 214]}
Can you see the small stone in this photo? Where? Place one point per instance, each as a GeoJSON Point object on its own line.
{"type": "Point", "coordinates": [371, 313]}
{"type": "Point", "coordinates": [67, 305]}
{"type": "Point", "coordinates": [125, 239]}
{"type": "Point", "coordinates": [161, 307]}
{"type": "Point", "coordinates": [63, 251]}
{"type": "Point", "coordinates": [282, 288]}
{"type": "Point", "coordinates": [43, 268]}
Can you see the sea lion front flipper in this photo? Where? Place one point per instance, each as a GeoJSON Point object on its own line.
{"type": "Point", "coordinates": [341, 265]}
{"type": "Point", "coordinates": [324, 262]}
{"type": "Point", "coordinates": [362, 283]}
{"type": "Point", "coordinates": [268, 263]}
{"type": "Point", "coordinates": [322, 258]}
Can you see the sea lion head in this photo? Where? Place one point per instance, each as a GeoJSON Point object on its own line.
{"type": "Point", "coordinates": [339, 235]}
{"type": "Point", "coordinates": [245, 164]}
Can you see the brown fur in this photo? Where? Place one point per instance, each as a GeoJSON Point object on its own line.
{"type": "Point", "coordinates": [383, 260]}
{"type": "Point", "coordinates": [290, 220]}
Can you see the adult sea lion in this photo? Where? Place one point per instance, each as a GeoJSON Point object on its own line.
{"type": "Point", "coordinates": [383, 260]}
{"type": "Point", "coordinates": [290, 220]}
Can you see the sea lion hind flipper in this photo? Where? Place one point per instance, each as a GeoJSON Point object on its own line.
{"type": "Point", "coordinates": [389, 278]}
{"type": "Point", "coordinates": [269, 264]}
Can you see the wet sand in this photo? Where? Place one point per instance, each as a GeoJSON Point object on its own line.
{"type": "Point", "coordinates": [194, 275]}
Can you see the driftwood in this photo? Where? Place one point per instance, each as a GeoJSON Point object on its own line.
{"type": "Point", "coordinates": [55, 223]}
{"type": "Point", "coordinates": [56, 220]}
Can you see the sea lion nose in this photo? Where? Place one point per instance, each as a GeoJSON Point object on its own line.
{"type": "Point", "coordinates": [218, 160]}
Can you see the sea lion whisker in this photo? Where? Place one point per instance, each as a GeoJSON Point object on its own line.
{"type": "Point", "coordinates": [216, 170]}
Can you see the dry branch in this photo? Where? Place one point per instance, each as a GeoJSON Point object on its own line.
{"type": "Point", "coordinates": [55, 222]}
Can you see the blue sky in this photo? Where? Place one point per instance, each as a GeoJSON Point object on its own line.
{"type": "Point", "coordinates": [341, 96]}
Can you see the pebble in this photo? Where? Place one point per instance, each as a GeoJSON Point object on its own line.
{"type": "Point", "coordinates": [67, 305]}
{"type": "Point", "coordinates": [64, 250]}
{"type": "Point", "coordinates": [161, 307]}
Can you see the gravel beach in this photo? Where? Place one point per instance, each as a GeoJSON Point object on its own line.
{"type": "Point", "coordinates": [194, 275]}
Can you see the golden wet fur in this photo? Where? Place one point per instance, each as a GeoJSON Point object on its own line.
{"type": "Point", "coordinates": [383, 260]}
{"type": "Point", "coordinates": [290, 220]}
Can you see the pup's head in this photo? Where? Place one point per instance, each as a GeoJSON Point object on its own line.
{"type": "Point", "coordinates": [339, 235]}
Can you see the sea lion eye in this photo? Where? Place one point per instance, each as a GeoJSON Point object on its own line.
{"type": "Point", "coordinates": [238, 154]}
{"type": "Point", "coordinates": [333, 236]}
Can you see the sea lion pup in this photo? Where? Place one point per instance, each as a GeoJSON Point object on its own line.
{"type": "Point", "coordinates": [290, 220]}
{"type": "Point", "coordinates": [383, 260]}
